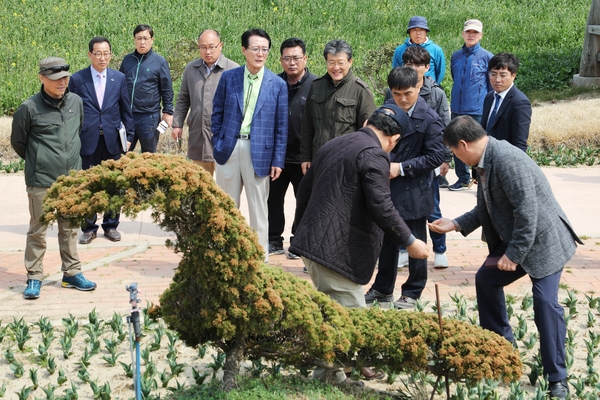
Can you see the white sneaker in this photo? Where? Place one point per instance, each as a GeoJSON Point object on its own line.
{"type": "Point", "coordinates": [440, 261]}
{"type": "Point", "coordinates": [403, 259]}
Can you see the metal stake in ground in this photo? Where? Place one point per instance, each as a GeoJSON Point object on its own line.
{"type": "Point", "coordinates": [134, 319]}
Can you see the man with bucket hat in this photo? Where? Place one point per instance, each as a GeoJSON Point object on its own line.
{"type": "Point", "coordinates": [45, 132]}
{"type": "Point", "coordinates": [417, 36]}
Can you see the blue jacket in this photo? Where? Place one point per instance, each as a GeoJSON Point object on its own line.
{"type": "Point", "coordinates": [148, 81]}
{"type": "Point", "coordinates": [469, 68]}
{"type": "Point", "coordinates": [437, 65]}
{"type": "Point", "coordinates": [420, 151]}
{"type": "Point", "coordinates": [269, 129]}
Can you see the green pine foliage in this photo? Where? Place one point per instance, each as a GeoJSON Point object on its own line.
{"type": "Point", "coordinates": [224, 294]}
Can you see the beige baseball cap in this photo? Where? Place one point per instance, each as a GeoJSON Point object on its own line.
{"type": "Point", "coordinates": [473, 25]}
{"type": "Point", "coordinates": [54, 68]}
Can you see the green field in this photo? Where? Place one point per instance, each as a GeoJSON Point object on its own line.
{"type": "Point", "coordinates": [547, 35]}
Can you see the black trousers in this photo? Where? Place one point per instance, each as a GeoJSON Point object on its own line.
{"type": "Point", "coordinates": [385, 281]}
{"type": "Point", "coordinates": [291, 173]}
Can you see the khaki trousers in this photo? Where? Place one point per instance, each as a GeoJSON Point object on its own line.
{"type": "Point", "coordinates": [35, 247]}
{"type": "Point", "coordinates": [207, 165]}
{"type": "Point", "coordinates": [238, 173]}
{"type": "Point", "coordinates": [346, 292]}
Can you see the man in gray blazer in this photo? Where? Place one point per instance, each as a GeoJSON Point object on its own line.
{"type": "Point", "coordinates": [198, 85]}
{"type": "Point", "coordinates": [527, 233]}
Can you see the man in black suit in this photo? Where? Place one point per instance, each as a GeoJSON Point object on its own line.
{"type": "Point", "coordinates": [506, 110]}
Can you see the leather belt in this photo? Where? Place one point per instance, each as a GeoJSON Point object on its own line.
{"type": "Point", "coordinates": [245, 136]}
{"type": "Point", "coordinates": [101, 132]}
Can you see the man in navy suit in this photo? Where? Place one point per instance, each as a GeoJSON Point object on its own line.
{"type": "Point", "coordinates": [249, 126]}
{"type": "Point", "coordinates": [506, 110]}
{"type": "Point", "coordinates": [105, 107]}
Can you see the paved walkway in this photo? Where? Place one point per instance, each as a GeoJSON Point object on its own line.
{"type": "Point", "coordinates": [142, 256]}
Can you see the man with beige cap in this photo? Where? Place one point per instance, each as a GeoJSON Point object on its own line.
{"type": "Point", "coordinates": [45, 132]}
{"type": "Point", "coordinates": [469, 68]}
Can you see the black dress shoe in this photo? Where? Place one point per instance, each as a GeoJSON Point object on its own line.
{"type": "Point", "coordinates": [373, 295]}
{"type": "Point", "coordinates": [112, 235]}
{"type": "Point", "coordinates": [559, 389]}
{"type": "Point", "coordinates": [87, 237]}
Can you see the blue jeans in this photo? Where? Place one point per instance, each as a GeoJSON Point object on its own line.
{"type": "Point", "coordinates": [460, 168]}
{"type": "Point", "coordinates": [145, 131]}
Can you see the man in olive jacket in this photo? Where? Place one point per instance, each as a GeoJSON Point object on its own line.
{"type": "Point", "coordinates": [337, 103]}
{"type": "Point", "coordinates": [45, 132]}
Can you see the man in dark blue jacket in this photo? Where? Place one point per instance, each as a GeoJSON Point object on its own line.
{"type": "Point", "coordinates": [148, 82]}
{"type": "Point", "coordinates": [469, 67]}
{"type": "Point", "coordinates": [343, 208]}
{"type": "Point", "coordinates": [413, 161]}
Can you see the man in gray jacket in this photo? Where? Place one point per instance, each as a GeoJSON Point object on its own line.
{"type": "Point", "coordinates": [45, 132]}
{"type": "Point", "coordinates": [198, 85]}
{"type": "Point", "coordinates": [527, 233]}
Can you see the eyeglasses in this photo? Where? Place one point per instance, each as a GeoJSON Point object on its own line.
{"type": "Point", "coordinates": [288, 59]}
{"type": "Point", "coordinates": [501, 75]}
{"type": "Point", "coordinates": [209, 48]}
{"type": "Point", "coordinates": [257, 50]}
{"type": "Point", "coordinates": [340, 64]}
{"type": "Point", "coordinates": [143, 38]}
{"type": "Point", "coordinates": [56, 68]}
{"type": "Point", "coordinates": [100, 55]}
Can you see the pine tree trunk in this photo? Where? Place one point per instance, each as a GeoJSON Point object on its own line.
{"type": "Point", "coordinates": [233, 358]}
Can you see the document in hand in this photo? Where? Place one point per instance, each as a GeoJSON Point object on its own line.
{"type": "Point", "coordinates": [123, 137]}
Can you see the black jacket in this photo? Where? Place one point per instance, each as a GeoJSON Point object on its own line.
{"type": "Point", "coordinates": [343, 204]}
{"type": "Point", "coordinates": [297, 94]}
{"type": "Point", "coordinates": [148, 81]}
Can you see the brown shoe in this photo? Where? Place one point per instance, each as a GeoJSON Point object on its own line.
{"type": "Point", "coordinates": [370, 374]}
{"type": "Point", "coordinates": [87, 237]}
{"type": "Point", "coordinates": [112, 235]}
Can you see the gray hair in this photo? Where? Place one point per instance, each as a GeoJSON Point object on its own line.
{"type": "Point", "coordinates": [337, 46]}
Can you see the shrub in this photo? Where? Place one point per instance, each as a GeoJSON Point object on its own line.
{"type": "Point", "coordinates": [223, 293]}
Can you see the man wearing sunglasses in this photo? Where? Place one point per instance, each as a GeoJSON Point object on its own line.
{"type": "Point", "coordinates": [45, 132]}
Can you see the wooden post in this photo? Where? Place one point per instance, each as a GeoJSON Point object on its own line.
{"type": "Point", "coordinates": [589, 68]}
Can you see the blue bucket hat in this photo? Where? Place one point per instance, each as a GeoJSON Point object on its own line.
{"type": "Point", "coordinates": [417, 22]}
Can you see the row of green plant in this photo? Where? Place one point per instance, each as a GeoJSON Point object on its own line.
{"type": "Point", "coordinates": [562, 156]}
{"type": "Point", "coordinates": [105, 339]}
{"type": "Point", "coordinates": [12, 166]}
{"type": "Point", "coordinates": [546, 35]}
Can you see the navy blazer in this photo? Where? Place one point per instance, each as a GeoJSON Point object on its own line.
{"type": "Point", "coordinates": [269, 128]}
{"type": "Point", "coordinates": [512, 119]}
{"type": "Point", "coordinates": [420, 151]}
{"type": "Point", "coordinates": [116, 108]}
